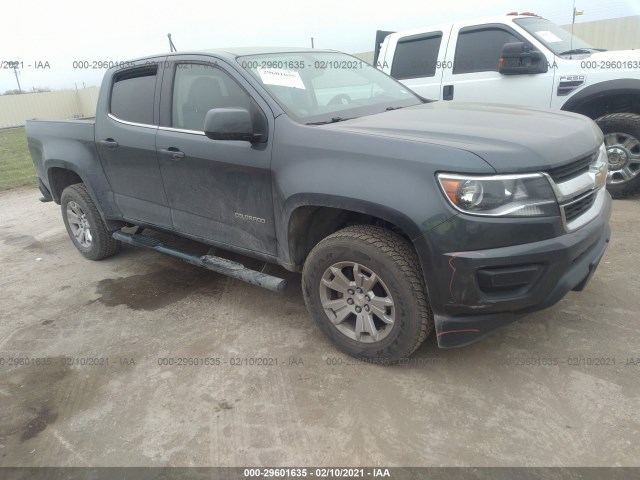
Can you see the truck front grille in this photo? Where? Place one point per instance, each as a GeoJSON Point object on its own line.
{"type": "Point", "coordinates": [578, 206]}
{"type": "Point", "coordinates": [573, 169]}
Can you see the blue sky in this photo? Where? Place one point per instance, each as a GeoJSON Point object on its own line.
{"type": "Point", "coordinates": [65, 31]}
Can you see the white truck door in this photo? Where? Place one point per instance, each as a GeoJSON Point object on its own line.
{"type": "Point", "coordinates": [474, 52]}
{"type": "Point", "coordinates": [417, 60]}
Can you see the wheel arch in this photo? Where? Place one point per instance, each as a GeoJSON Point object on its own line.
{"type": "Point", "coordinates": [612, 96]}
{"type": "Point", "coordinates": [310, 218]}
{"type": "Point", "coordinates": [62, 174]}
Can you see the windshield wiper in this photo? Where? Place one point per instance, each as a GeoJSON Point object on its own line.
{"type": "Point", "coordinates": [388, 109]}
{"type": "Point", "coordinates": [333, 120]}
{"type": "Point", "coordinates": [577, 51]}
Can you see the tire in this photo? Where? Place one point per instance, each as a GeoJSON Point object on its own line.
{"type": "Point", "coordinates": [622, 139]}
{"type": "Point", "coordinates": [81, 215]}
{"type": "Point", "coordinates": [398, 293]}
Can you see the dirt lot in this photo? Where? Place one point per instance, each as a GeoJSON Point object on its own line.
{"type": "Point", "coordinates": [98, 389]}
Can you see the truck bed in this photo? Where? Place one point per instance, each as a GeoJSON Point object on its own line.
{"type": "Point", "coordinates": [57, 140]}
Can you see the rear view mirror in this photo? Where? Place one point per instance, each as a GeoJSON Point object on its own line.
{"type": "Point", "coordinates": [519, 58]}
{"type": "Point", "coordinates": [230, 124]}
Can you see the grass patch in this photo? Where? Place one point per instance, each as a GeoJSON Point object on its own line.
{"type": "Point", "coordinates": [16, 168]}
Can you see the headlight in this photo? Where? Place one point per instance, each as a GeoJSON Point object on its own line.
{"type": "Point", "coordinates": [527, 195]}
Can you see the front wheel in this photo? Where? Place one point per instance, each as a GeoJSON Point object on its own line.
{"type": "Point", "coordinates": [364, 288]}
{"type": "Point", "coordinates": [84, 224]}
{"type": "Point", "coordinates": [622, 141]}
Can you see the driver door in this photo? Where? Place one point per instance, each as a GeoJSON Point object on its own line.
{"type": "Point", "coordinates": [474, 52]}
{"type": "Point", "coordinates": [217, 190]}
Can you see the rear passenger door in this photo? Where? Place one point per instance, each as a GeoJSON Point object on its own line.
{"type": "Point", "coordinates": [126, 142]}
{"type": "Point", "coordinates": [474, 53]}
{"type": "Point", "coordinates": [218, 190]}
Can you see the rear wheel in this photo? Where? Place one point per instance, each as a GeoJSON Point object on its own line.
{"type": "Point", "coordinates": [364, 288]}
{"type": "Point", "coordinates": [85, 225]}
{"type": "Point", "coordinates": [622, 140]}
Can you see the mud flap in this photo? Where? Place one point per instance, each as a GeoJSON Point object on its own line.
{"type": "Point", "coordinates": [452, 332]}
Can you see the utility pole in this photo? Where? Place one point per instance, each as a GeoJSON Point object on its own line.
{"type": "Point", "coordinates": [15, 71]}
{"type": "Point", "coordinates": [312, 43]}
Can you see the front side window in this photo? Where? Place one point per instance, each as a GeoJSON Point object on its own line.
{"type": "Point", "coordinates": [318, 87]}
{"type": "Point", "coordinates": [198, 88]}
{"type": "Point", "coordinates": [132, 95]}
{"type": "Point", "coordinates": [416, 57]}
{"type": "Point", "coordinates": [479, 50]}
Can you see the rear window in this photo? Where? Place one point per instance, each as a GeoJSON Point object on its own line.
{"type": "Point", "coordinates": [132, 95]}
{"type": "Point", "coordinates": [416, 57]}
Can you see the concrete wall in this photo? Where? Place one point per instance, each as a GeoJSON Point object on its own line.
{"type": "Point", "coordinates": [63, 104]}
{"type": "Point", "coordinates": [613, 34]}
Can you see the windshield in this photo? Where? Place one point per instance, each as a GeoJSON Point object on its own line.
{"type": "Point", "coordinates": [555, 38]}
{"type": "Point", "coordinates": [326, 87]}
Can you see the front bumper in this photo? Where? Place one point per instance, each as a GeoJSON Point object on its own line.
{"type": "Point", "coordinates": [486, 289]}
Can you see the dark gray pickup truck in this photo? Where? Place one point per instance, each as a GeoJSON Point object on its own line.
{"type": "Point", "coordinates": [402, 214]}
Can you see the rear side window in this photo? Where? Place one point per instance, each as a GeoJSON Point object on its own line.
{"type": "Point", "coordinates": [416, 57]}
{"type": "Point", "coordinates": [479, 50]}
{"type": "Point", "coordinates": [132, 95]}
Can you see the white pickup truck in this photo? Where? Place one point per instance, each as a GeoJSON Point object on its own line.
{"type": "Point", "coordinates": [524, 59]}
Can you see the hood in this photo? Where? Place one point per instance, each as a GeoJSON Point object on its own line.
{"type": "Point", "coordinates": [617, 55]}
{"type": "Point", "coordinates": [511, 140]}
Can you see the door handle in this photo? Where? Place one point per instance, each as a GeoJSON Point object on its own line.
{"type": "Point", "coordinates": [447, 92]}
{"type": "Point", "coordinates": [109, 143]}
{"type": "Point", "coordinates": [173, 153]}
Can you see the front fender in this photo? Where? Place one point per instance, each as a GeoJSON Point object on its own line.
{"type": "Point", "coordinates": [390, 178]}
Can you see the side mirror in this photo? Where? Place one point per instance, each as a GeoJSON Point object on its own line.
{"type": "Point", "coordinates": [230, 124]}
{"type": "Point", "coordinates": [518, 58]}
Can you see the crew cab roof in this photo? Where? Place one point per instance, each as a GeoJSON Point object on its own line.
{"type": "Point", "coordinates": [235, 52]}
{"type": "Point", "coordinates": [499, 19]}
{"type": "Point", "coordinates": [241, 51]}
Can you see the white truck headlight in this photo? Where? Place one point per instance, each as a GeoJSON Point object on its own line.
{"type": "Point", "coordinates": [527, 195]}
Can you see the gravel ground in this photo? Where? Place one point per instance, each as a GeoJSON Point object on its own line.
{"type": "Point", "coordinates": [86, 377]}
